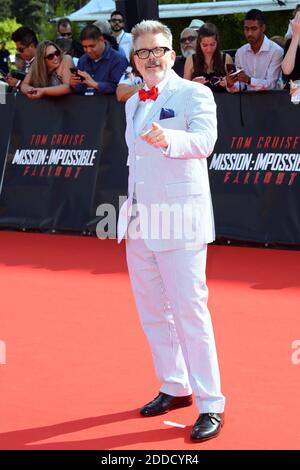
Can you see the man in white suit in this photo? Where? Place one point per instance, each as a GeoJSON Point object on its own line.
{"type": "Point", "coordinates": [167, 221]}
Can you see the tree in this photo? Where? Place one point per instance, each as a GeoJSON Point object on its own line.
{"type": "Point", "coordinates": [29, 12]}
{"type": "Point", "coordinates": [37, 13]}
{"type": "Point", "coordinates": [5, 9]}
{"type": "Point", "coordinates": [7, 27]}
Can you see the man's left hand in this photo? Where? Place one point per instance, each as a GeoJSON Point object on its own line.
{"type": "Point", "coordinates": [157, 136]}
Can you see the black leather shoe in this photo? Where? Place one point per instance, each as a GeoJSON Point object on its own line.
{"type": "Point", "coordinates": [207, 426]}
{"type": "Point", "coordinates": [164, 403]}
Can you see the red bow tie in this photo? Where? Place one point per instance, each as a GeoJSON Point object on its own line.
{"type": "Point", "coordinates": [151, 94]}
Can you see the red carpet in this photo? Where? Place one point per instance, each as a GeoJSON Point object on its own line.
{"type": "Point", "coordinates": [78, 365]}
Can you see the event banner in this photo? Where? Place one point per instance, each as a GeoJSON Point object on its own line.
{"type": "Point", "coordinates": [7, 107]}
{"type": "Point", "coordinates": [255, 168]}
{"type": "Point", "coordinates": [53, 162]}
{"type": "Point", "coordinates": [67, 156]}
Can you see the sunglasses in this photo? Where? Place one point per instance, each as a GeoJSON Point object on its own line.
{"type": "Point", "coordinates": [116, 21]}
{"type": "Point", "coordinates": [189, 39]}
{"type": "Point", "coordinates": [63, 35]}
{"type": "Point", "coordinates": [52, 55]}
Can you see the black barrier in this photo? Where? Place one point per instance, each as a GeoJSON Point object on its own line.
{"type": "Point", "coordinates": [65, 157]}
{"type": "Point", "coordinates": [6, 116]}
{"type": "Point", "coordinates": [254, 169]}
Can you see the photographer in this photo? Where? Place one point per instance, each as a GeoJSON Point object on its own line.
{"type": "Point", "coordinates": [26, 44]}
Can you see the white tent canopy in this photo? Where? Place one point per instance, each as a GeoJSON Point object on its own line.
{"type": "Point", "coordinates": [101, 9]}
{"type": "Point", "coordinates": [94, 10]}
{"type": "Point", "coordinates": [222, 8]}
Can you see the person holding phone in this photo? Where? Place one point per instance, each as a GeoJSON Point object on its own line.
{"type": "Point", "coordinates": [49, 74]}
{"type": "Point", "coordinates": [100, 68]}
{"type": "Point", "coordinates": [259, 59]}
{"type": "Point", "coordinates": [207, 65]}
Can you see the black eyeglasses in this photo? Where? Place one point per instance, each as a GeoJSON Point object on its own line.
{"type": "Point", "coordinates": [63, 35]}
{"type": "Point", "coordinates": [52, 55]}
{"type": "Point", "coordinates": [188, 39]}
{"type": "Point", "coordinates": [116, 20]}
{"type": "Point", "coordinates": [157, 52]}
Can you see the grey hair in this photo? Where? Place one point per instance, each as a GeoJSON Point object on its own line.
{"type": "Point", "coordinates": [192, 30]}
{"type": "Point", "coordinates": [152, 27]}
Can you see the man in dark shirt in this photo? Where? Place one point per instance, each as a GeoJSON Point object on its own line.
{"type": "Point", "coordinates": [64, 30]}
{"type": "Point", "coordinates": [100, 68]}
{"type": "Point", "coordinates": [26, 43]}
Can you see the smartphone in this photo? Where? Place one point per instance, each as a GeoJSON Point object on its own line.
{"type": "Point", "coordinates": [215, 80]}
{"type": "Point", "coordinates": [232, 74]}
{"type": "Point", "coordinates": [74, 71]}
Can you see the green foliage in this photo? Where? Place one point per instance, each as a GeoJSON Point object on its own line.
{"type": "Point", "coordinates": [5, 9]}
{"type": "Point", "coordinates": [29, 12]}
{"type": "Point", "coordinates": [231, 27]}
{"type": "Point", "coordinates": [7, 27]}
{"type": "Point", "coordinates": [37, 13]}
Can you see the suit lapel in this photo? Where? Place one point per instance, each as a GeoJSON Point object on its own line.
{"type": "Point", "coordinates": [163, 97]}
{"type": "Point", "coordinates": [130, 112]}
{"type": "Point", "coordinates": [134, 104]}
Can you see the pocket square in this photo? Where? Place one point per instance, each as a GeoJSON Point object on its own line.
{"type": "Point", "coordinates": [166, 113]}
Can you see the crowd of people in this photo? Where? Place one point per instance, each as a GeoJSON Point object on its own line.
{"type": "Point", "coordinates": [104, 60]}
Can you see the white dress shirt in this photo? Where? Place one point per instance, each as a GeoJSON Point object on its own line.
{"type": "Point", "coordinates": [125, 42]}
{"type": "Point", "coordinates": [264, 67]}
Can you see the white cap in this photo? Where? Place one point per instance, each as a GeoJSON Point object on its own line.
{"type": "Point", "coordinates": [196, 24]}
{"type": "Point", "coordinates": [104, 26]}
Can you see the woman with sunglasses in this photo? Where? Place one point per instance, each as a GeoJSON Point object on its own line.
{"type": "Point", "coordinates": [49, 74]}
{"type": "Point", "coordinates": [208, 65]}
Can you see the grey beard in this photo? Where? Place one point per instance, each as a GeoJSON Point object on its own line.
{"type": "Point", "coordinates": [188, 52]}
